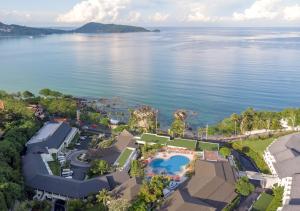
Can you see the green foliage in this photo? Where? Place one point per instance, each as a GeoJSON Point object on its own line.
{"type": "Point", "coordinates": [60, 106]}
{"type": "Point", "coordinates": [103, 197]}
{"type": "Point", "coordinates": [263, 202]}
{"type": "Point", "coordinates": [177, 127]}
{"type": "Point", "coordinates": [41, 205]}
{"type": "Point", "coordinates": [225, 151]}
{"type": "Point", "coordinates": [50, 93]}
{"type": "Point", "coordinates": [106, 143]}
{"type": "Point", "coordinates": [118, 205]}
{"type": "Point", "coordinates": [254, 148]}
{"type": "Point", "coordinates": [152, 191]}
{"type": "Point", "coordinates": [19, 123]}
{"type": "Point", "coordinates": [76, 205]}
{"type": "Point", "coordinates": [135, 169]}
{"type": "Point", "coordinates": [138, 205]}
{"type": "Point", "coordinates": [105, 121]}
{"type": "Point", "coordinates": [99, 167]}
{"type": "Point", "coordinates": [277, 200]}
{"type": "Point", "coordinates": [244, 187]}
{"type": "Point", "coordinates": [27, 94]}
{"type": "Point", "coordinates": [120, 128]}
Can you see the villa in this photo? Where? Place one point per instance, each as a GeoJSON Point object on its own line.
{"type": "Point", "coordinates": [283, 159]}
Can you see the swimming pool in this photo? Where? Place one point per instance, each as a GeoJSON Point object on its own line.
{"type": "Point", "coordinates": [170, 166]}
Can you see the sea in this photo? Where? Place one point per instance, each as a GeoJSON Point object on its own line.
{"type": "Point", "coordinates": [210, 72]}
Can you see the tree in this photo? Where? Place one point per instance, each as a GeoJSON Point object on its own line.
{"type": "Point", "coordinates": [151, 191]}
{"type": "Point", "coordinates": [235, 118]}
{"type": "Point", "coordinates": [118, 205]}
{"type": "Point", "coordinates": [135, 170]}
{"type": "Point", "coordinates": [99, 167]}
{"type": "Point", "coordinates": [225, 151]}
{"type": "Point", "coordinates": [139, 205]}
{"type": "Point", "coordinates": [76, 205]}
{"type": "Point", "coordinates": [244, 187]}
{"type": "Point", "coordinates": [103, 197]}
{"type": "Point", "coordinates": [27, 94]}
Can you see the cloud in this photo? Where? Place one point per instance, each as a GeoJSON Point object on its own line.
{"type": "Point", "coordinates": [134, 16]}
{"type": "Point", "coordinates": [94, 10]}
{"type": "Point", "coordinates": [260, 9]}
{"type": "Point", "coordinates": [196, 15]}
{"type": "Point", "coordinates": [15, 15]}
{"type": "Point", "coordinates": [159, 17]}
{"type": "Point", "coordinates": [292, 13]}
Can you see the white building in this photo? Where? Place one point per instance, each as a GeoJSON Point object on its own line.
{"type": "Point", "coordinates": [283, 159]}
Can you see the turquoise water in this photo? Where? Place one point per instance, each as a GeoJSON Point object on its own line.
{"type": "Point", "coordinates": [170, 166]}
{"type": "Point", "coordinates": [211, 71]}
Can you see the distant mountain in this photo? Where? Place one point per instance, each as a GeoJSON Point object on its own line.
{"type": "Point", "coordinates": [108, 28]}
{"type": "Point", "coordinates": [17, 30]}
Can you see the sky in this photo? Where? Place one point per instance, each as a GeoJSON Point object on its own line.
{"type": "Point", "coordinates": [152, 12]}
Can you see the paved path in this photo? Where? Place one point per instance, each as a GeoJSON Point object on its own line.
{"type": "Point", "coordinates": [73, 157]}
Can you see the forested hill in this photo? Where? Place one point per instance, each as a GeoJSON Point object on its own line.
{"type": "Point", "coordinates": [17, 30]}
{"type": "Point", "coordinates": [108, 28]}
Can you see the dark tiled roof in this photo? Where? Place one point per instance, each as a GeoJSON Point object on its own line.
{"type": "Point", "coordinates": [130, 189]}
{"type": "Point", "coordinates": [37, 177]}
{"type": "Point", "coordinates": [211, 188]}
{"type": "Point", "coordinates": [56, 139]}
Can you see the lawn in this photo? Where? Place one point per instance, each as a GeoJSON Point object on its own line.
{"type": "Point", "coordinates": [124, 156]}
{"type": "Point", "coordinates": [55, 167]}
{"type": "Point", "coordinates": [207, 146]}
{"type": "Point", "coordinates": [263, 202]}
{"type": "Point", "coordinates": [254, 148]}
{"type": "Point", "coordinates": [186, 143]}
{"type": "Point", "coordinates": [153, 138]}
{"type": "Point", "coordinates": [258, 145]}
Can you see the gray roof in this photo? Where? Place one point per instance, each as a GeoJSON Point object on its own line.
{"type": "Point", "coordinates": [286, 151]}
{"type": "Point", "coordinates": [37, 177]}
{"type": "Point", "coordinates": [287, 155]}
{"type": "Point", "coordinates": [181, 200]}
{"type": "Point", "coordinates": [111, 154]}
{"type": "Point", "coordinates": [129, 189]}
{"type": "Point", "coordinates": [56, 139]}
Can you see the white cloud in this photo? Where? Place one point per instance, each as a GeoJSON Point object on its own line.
{"type": "Point", "coordinates": [196, 15]}
{"type": "Point", "coordinates": [134, 16]}
{"type": "Point", "coordinates": [159, 17]}
{"type": "Point", "coordinates": [15, 15]}
{"type": "Point", "coordinates": [94, 10]}
{"type": "Point", "coordinates": [292, 13]}
{"type": "Point", "coordinates": [260, 9]}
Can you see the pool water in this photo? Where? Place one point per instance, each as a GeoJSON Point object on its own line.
{"type": "Point", "coordinates": [170, 166]}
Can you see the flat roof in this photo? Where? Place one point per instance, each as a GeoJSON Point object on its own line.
{"type": "Point", "coordinates": [186, 143]}
{"type": "Point", "coordinates": [153, 138]}
{"type": "Point", "coordinates": [124, 156]}
{"type": "Point", "coordinates": [45, 132]}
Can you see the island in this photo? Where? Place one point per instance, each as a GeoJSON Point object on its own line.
{"type": "Point", "coordinates": [92, 27]}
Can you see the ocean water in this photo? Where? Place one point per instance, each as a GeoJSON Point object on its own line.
{"type": "Point", "coordinates": [210, 71]}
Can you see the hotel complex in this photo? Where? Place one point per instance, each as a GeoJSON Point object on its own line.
{"type": "Point", "coordinates": [283, 159]}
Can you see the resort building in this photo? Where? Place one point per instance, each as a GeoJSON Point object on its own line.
{"type": "Point", "coordinates": [52, 138]}
{"type": "Point", "coordinates": [130, 189]}
{"type": "Point", "coordinates": [211, 188]}
{"type": "Point", "coordinates": [283, 159]}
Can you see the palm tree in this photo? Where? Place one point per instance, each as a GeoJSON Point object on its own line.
{"type": "Point", "coordinates": [103, 196]}
{"type": "Point", "coordinates": [235, 117]}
